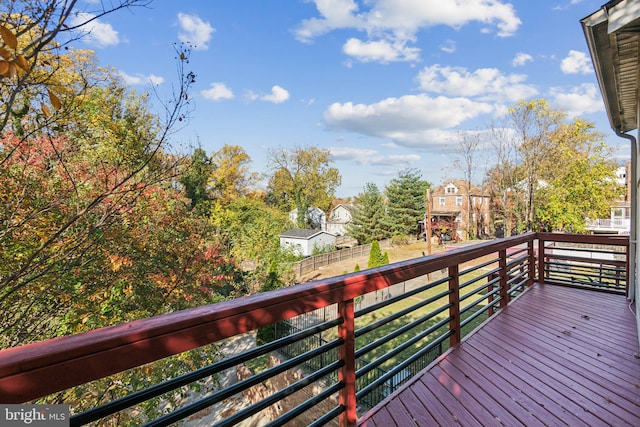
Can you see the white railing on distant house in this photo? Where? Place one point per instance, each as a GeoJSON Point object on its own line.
{"type": "Point", "coordinates": [620, 225]}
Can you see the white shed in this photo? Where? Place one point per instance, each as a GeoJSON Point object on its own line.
{"type": "Point", "coordinates": [304, 241]}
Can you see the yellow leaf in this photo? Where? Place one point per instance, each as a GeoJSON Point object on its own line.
{"type": "Point", "coordinates": [21, 62]}
{"type": "Point", "coordinates": [9, 38]}
{"type": "Point", "coordinates": [55, 101]}
{"type": "Point", "coordinates": [5, 53]}
{"type": "Point", "coordinates": [12, 70]}
{"type": "Point", "coordinates": [45, 110]}
{"type": "Point", "coordinates": [4, 69]}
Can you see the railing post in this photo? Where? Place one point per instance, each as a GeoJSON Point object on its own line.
{"type": "Point", "coordinates": [347, 374]}
{"type": "Point", "coordinates": [532, 263]}
{"type": "Point", "coordinates": [540, 259]}
{"type": "Point", "coordinates": [627, 269]}
{"type": "Point", "coordinates": [454, 300]}
{"type": "Point", "coordinates": [502, 264]}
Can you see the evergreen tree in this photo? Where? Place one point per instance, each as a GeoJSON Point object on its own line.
{"type": "Point", "coordinates": [375, 256]}
{"type": "Point", "coordinates": [367, 224]}
{"type": "Point", "coordinates": [406, 202]}
{"type": "Point", "coordinates": [385, 259]}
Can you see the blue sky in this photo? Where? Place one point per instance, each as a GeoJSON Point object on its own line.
{"type": "Point", "coordinates": [382, 84]}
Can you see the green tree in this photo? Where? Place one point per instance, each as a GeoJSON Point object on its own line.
{"type": "Point", "coordinates": [406, 196]}
{"type": "Point", "coordinates": [367, 224]}
{"type": "Point", "coordinates": [195, 179]}
{"type": "Point", "coordinates": [580, 179]}
{"type": "Point", "coordinates": [249, 230]}
{"type": "Point", "coordinates": [302, 177]}
{"type": "Point", "coordinates": [375, 256]}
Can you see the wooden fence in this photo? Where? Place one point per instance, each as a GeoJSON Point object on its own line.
{"type": "Point", "coordinates": [313, 263]}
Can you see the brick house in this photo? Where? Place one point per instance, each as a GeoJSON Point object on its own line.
{"type": "Point", "coordinates": [457, 210]}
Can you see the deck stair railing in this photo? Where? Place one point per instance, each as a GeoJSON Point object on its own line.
{"type": "Point", "coordinates": [408, 313]}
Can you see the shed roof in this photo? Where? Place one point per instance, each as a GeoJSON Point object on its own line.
{"type": "Point", "coordinates": [302, 233]}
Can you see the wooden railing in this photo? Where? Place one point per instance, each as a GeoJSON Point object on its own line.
{"type": "Point", "coordinates": [595, 262]}
{"type": "Point", "coordinates": [392, 317]}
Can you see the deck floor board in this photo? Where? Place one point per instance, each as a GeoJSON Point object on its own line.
{"type": "Point", "coordinates": [556, 356]}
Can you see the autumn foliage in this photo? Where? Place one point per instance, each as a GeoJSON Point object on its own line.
{"type": "Point", "coordinates": [137, 253]}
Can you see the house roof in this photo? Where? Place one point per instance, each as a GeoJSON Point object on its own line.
{"type": "Point", "coordinates": [613, 36]}
{"type": "Point", "coordinates": [302, 233]}
{"type": "Point", "coordinates": [461, 185]}
{"type": "Point", "coordinates": [348, 207]}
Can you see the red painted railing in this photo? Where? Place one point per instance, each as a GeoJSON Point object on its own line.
{"type": "Point", "coordinates": [39, 369]}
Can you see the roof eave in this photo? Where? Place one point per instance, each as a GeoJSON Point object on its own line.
{"type": "Point", "coordinates": [609, 32]}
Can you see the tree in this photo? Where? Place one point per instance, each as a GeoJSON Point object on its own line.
{"type": "Point", "coordinates": [502, 179]}
{"type": "Point", "coordinates": [32, 52]}
{"type": "Point", "coordinates": [406, 196]}
{"type": "Point", "coordinates": [195, 180]}
{"type": "Point", "coordinates": [534, 123]}
{"type": "Point", "coordinates": [250, 230]}
{"type": "Point", "coordinates": [79, 186]}
{"type": "Point", "coordinates": [467, 152]}
{"type": "Point", "coordinates": [367, 224]}
{"type": "Point", "coordinates": [581, 179]}
{"type": "Point", "coordinates": [302, 177]}
{"type": "Point", "coordinates": [559, 175]}
{"type": "Point", "coordinates": [230, 177]}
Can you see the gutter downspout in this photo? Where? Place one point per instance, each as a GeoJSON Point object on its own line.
{"type": "Point", "coordinates": [633, 232]}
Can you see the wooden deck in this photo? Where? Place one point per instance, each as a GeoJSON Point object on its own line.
{"type": "Point", "coordinates": [556, 356]}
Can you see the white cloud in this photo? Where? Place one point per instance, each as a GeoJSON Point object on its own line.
{"type": "Point", "coordinates": [414, 120]}
{"type": "Point", "coordinates": [335, 14]}
{"type": "Point", "coordinates": [576, 63]}
{"type": "Point", "coordinates": [369, 157]}
{"type": "Point", "coordinates": [449, 46]}
{"type": "Point", "coordinates": [195, 31]}
{"type": "Point", "coordinates": [487, 84]}
{"type": "Point", "coordinates": [95, 32]}
{"type": "Point", "coordinates": [217, 91]}
{"type": "Point", "coordinates": [583, 99]}
{"type": "Point", "coordinates": [399, 22]}
{"type": "Point", "coordinates": [278, 95]}
{"type": "Point", "coordinates": [380, 51]}
{"type": "Point", "coordinates": [141, 79]}
{"type": "Point", "coordinates": [521, 59]}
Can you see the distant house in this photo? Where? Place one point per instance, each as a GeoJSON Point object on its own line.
{"type": "Point", "coordinates": [453, 205]}
{"type": "Point", "coordinates": [303, 241]}
{"type": "Point", "coordinates": [317, 219]}
{"type": "Point", "coordinates": [339, 217]}
{"type": "Point", "coordinates": [619, 221]}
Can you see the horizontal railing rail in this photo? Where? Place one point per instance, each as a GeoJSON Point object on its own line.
{"type": "Point", "coordinates": [585, 261]}
{"type": "Point", "coordinates": [408, 314]}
